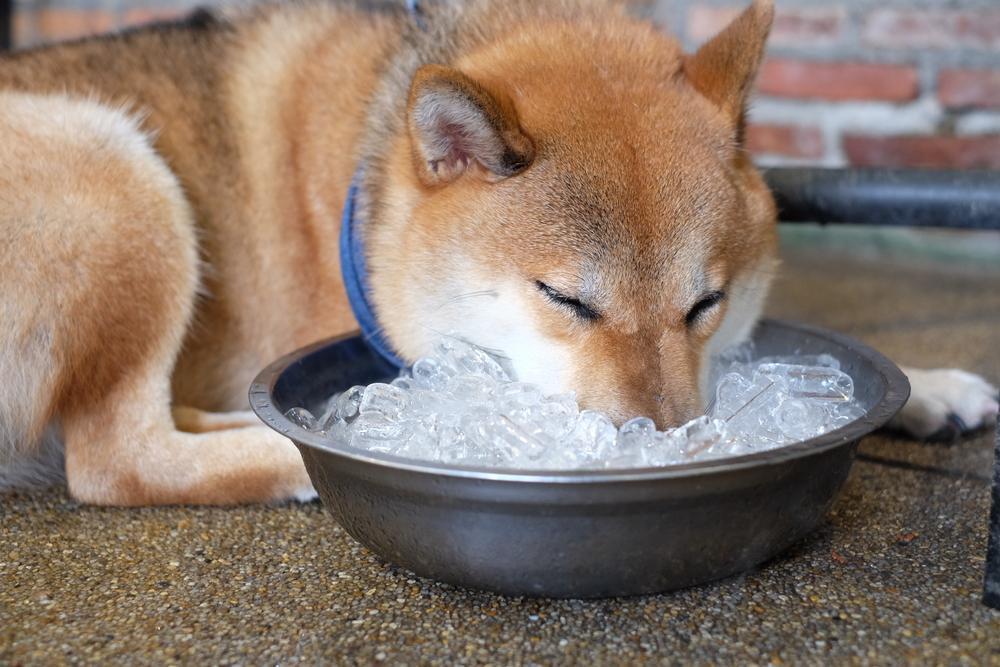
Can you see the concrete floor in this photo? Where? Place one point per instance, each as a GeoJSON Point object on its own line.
{"type": "Point", "coordinates": [893, 575]}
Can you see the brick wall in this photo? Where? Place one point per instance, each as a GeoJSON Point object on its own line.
{"type": "Point", "coordinates": [847, 82]}
{"type": "Point", "coordinates": [869, 82]}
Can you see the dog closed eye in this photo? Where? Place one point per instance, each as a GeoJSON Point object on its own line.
{"type": "Point", "coordinates": [580, 309]}
{"type": "Point", "coordinates": [705, 304]}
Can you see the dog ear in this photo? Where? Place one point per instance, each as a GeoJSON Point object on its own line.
{"type": "Point", "coordinates": [723, 69]}
{"type": "Point", "coordinates": [456, 126]}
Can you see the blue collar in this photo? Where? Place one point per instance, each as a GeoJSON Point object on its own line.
{"type": "Point", "coordinates": [354, 270]}
{"type": "Point", "coordinates": [353, 262]}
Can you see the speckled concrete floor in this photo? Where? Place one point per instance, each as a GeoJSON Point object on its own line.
{"type": "Point", "coordinates": [893, 575]}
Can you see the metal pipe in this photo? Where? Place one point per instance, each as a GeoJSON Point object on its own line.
{"type": "Point", "coordinates": [991, 580]}
{"type": "Point", "coordinates": [892, 197]}
{"type": "Point", "coordinates": [6, 24]}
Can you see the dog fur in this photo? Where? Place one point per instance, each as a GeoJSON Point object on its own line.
{"type": "Point", "coordinates": [556, 181]}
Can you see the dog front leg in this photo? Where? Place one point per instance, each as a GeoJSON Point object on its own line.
{"type": "Point", "coordinates": [193, 420]}
{"type": "Point", "coordinates": [129, 453]}
{"type": "Point", "coordinates": [946, 403]}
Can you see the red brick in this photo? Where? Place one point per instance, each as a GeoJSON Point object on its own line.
{"type": "Point", "coordinates": [793, 26]}
{"type": "Point", "coordinates": [933, 28]}
{"type": "Point", "coordinates": [967, 152]}
{"type": "Point", "coordinates": [59, 24]}
{"type": "Point", "coordinates": [958, 88]}
{"type": "Point", "coordinates": [139, 16]}
{"type": "Point", "coordinates": [785, 140]}
{"type": "Point", "coordinates": [838, 81]}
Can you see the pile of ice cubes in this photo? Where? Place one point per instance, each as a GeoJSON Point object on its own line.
{"type": "Point", "coordinates": [460, 406]}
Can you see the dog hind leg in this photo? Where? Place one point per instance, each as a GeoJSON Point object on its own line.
{"type": "Point", "coordinates": [99, 271]}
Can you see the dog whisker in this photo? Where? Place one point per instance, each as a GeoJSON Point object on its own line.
{"type": "Point", "coordinates": [754, 398]}
{"type": "Point", "coordinates": [492, 293]}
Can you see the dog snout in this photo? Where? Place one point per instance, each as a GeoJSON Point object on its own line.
{"type": "Point", "coordinates": [677, 409]}
{"type": "Point", "coordinates": [666, 412]}
{"type": "Point", "coordinates": [636, 383]}
{"type": "Point", "coordinates": [665, 409]}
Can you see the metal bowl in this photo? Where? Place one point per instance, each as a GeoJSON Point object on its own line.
{"type": "Point", "coordinates": [578, 533]}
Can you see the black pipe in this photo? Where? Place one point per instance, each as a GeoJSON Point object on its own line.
{"type": "Point", "coordinates": [991, 581]}
{"type": "Point", "coordinates": [6, 24]}
{"type": "Point", "coordinates": [893, 197]}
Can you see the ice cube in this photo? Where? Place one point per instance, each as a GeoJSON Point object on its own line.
{"type": "Point", "coordinates": [700, 435]}
{"type": "Point", "coordinates": [753, 421]}
{"type": "Point", "coordinates": [594, 436]}
{"type": "Point", "coordinates": [461, 357]}
{"type": "Point", "coordinates": [384, 399]}
{"type": "Point", "coordinates": [459, 407]}
{"type": "Point", "coordinates": [564, 404]}
{"type": "Point", "coordinates": [812, 381]}
{"type": "Point", "coordinates": [825, 360]}
{"type": "Point", "coordinates": [800, 419]}
{"type": "Point", "coordinates": [302, 418]}
{"type": "Point", "coordinates": [506, 436]}
{"type": "Point", "coordinates": [328, 419]}
{"type": "Point", "coordinates": [518, 395]}
{"type": "Point", "coordinates": [732, 392]}
{"type": "Point", "coordinates": [349, 403]}
{"type": "Point", "coordinates": [374, 432]}
{"type": "Point", "coordinates": [429, 373]}
{"type": "Point", "coordinates": [404, 382]}
{"type": "Point", "coordinates": [453, 445]}
{"type": "Point", "coordinates": [426, 402]}
{"type": "Point", "coordinates": [471, 388]}
{"type": "Point", "coordinates": [637, 432]}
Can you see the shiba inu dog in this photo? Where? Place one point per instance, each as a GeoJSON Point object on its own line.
{"type": "Point", "coordinates": [556, 180]}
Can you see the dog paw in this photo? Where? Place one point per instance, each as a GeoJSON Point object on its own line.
{"type": "Point", "coordinates": [946, 403]}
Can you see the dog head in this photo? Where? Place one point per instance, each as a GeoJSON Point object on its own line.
{"type": "Point", "coordinates": [576, 195]}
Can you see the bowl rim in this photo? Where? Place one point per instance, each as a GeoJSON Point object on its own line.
{"type": "Point", "coordinates": [897, 391]}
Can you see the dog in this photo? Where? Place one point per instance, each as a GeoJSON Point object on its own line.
{"type": "Point", "coordinates": [555, 180]}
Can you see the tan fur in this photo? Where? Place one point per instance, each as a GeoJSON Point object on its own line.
{"type": "Point", "coordinates": [639, 193]}
{"type": "Point", "coordinates": [172, 197]}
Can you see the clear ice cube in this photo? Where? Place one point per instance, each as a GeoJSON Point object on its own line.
{"type": "Point", "coordinates": [731, 393]}
{"type": "Point", "coordinates": [825, 360]}
{"type": "Point", "coordinates": [472, 388]}
{"type": "Point", "coordinates": [348, 404]}
{"type": "Point", "coordinates": [458, 406]}
{"type": "Point", "coordinates": [461, 357]}
{"type": "Point", "coordinates": [637, 432]}
{"type": "Point", "coordinates": [429, 373]}
{"type": "Point", "coordinates": [800, 419]}
{"type": "Point", "coordinates": [699, 436]}
{"type": "Point", "coordinates": [817, 382]}
{"type": "Point", "coordinates": [302, 418]}
{"type": "Point", "coordinates": [404, 382]}
{"type": "Point", "coordinates": [384, 399]}
{"type": "Point", "coordinates": [518, 395]}
{"type": "Point", "coordinates": [594, 435]}
{"type": "Point", "coordinates": [375, 432]}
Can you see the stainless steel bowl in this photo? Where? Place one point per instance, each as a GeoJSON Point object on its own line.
{"type": "Point", "coordinates": [578, 534]}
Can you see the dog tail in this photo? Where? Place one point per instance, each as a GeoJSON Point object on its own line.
{"type": "Point", "coordinates": [31, 451]}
